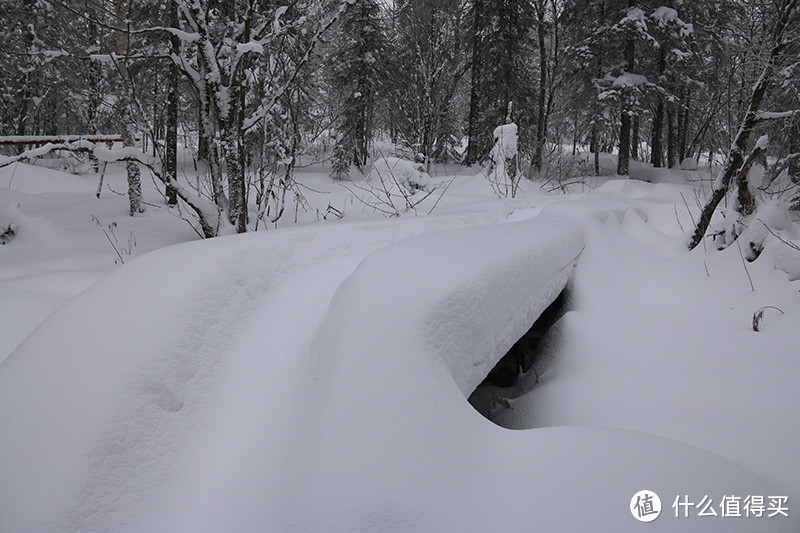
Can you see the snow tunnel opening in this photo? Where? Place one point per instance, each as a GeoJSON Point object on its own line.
{"type": "Point", "coordinates": [521, 368]}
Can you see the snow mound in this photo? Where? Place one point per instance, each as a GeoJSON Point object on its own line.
{"type": "Point", "coordinates": [31, 179]}
{"type": "Point", "coordinates": [416, 456]}
{"type": "Point", "coordinates": [689, 163]}
{"type": "Point", "coordinates": [505, 138]}
{"type": "Point", "coordinates": [396, 171]}
{"type": "Point", "coordinates": [9, 223]}
{"type": "Point", "coordinates": [468, 296]}
{"type": "Point", "coordinates": [315, 379]}
{"type": "Point", "coordinates": [19, 229]}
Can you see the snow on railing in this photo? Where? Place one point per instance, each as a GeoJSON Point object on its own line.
{"type": "Point", "coordinates": [16, 140]}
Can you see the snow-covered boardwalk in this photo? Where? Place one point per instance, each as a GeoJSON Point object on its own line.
{"type": "Point", "coordinates": [313, 380]}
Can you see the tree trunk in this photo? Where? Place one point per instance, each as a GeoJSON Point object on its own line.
{"type": "Point", "coordinates": [625, 123]}
{"type": "Point", "coordinates": [683, 126]}
{"type": "Point", "coordinates": [747, 204]}
{"type": "Point", "coordinates": [635, 138]}
{"type": "Point", "coordinates": [736, 156]}
{"type": "Point", "coordinates": [657, 139]}
{"type": "Point", "coordinates": [575, 133]}
{"type": "Point", "coordinates": [794, 148]}
{"type": "Point", "coordinates": [623, 163]}
{"type": "Point", "coordinates": [475, 148]}
{"type": "Point", "coordinates": [541, 116]}
{"type": "Point", "coordinates": [657, 146]}
{"type": "Point", "coordinates": [202, 138]}
{"type": "Point", "coordinates": [25, 93]}
{"type": "Point", "coordinates": [235, 154]}
{"type": "Point", "coordinates": [171, 137]}
{"type": "Point", "coordinates": [210, 141]}
{"type": "Point", "coordinates": [595, 149]}
{"type": "Point", "coordinates": [672, 144]}
{"type": "Point", "coordinates": [126, 104]}
{"type": "Point", "coordinates": [237, 213]}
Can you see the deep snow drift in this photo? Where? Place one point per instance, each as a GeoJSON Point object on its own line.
{"type": "Point", "coordinates": [315, 378]}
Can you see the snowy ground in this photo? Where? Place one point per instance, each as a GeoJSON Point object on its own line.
{"type": "Point", "coordinates": [315, 377]}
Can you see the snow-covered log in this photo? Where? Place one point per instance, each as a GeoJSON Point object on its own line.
{"type": "Point", "coordinates": [39, 140]}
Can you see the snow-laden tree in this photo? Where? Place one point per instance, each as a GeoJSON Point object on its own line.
{"type": "Point", "coordinates": [503, 173]}
{"type": "Point", "coordinates": [228, 47]}
{"type": "Point", "coordinates": [503, 45]}
{"type": "Point", "coordinates": [781, 54]}
{"type": "Point", "coordinates": [357, 69]}
{"type": "Point", "coordinates": [428, 59]}
{"type": "Point", "coordinates": [671, 46]}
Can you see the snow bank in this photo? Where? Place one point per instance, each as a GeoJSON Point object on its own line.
{"type": "Point", "coordinates": [391, 421]}
{"type": "Point", "coordinates": [394, 170]}
{"type": "Point", "coordinates": [468, 295]}
{"type": "Point", "coordinates": [29, 179]}
{"type": "Point", "coordinates": [314, 380]}
{"type": "Point", "coordinates": [689, 163]}
{"type": "Point", "coordinates": [113, 396]}
{"type": "Point", "coordinates": [629, 79]}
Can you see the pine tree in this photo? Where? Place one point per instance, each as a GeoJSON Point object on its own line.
{"type": "Point", "coordinates": [505, 52]}
{"type": "Point", "coordinates": [357, 73]}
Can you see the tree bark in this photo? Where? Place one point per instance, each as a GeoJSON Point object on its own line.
{"type": "Point", "coordinates": [747, 204]}
{"type": "Point", "coordinates": [541, 116]}
{"type": "Point", "coordinates": [657, 146]}
{"type": "Point", "coordinates": [623, 161]}
{"type": "Point", "coordinates": [657, 140]}
{"type": "Point", "coordinates": [794, 148]}
{"type": "Point", "coordinates": [683, 124]}
{"type": "Point", "coordinates": [475, 147]}
{"type": "Point", "coordinates": [235, 150]}
{"type": "Point", "coordinates": [171, 137]}
{"type": "Point", "coordinates": [672, 141]}
{"type": "Point", "coordinates": [126, 104]}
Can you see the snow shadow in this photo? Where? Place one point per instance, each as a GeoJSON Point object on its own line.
{"type": "Point", "coordinates": [520, 369]}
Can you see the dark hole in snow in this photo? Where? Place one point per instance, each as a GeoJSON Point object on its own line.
{"type": "Point", "coordinates": [8, 234]}
{"type": "Point", "coordinates": [518, 371]}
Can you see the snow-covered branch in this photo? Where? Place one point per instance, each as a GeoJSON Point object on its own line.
{"type": "Point", "coordinates": [776, 115]}
{"type": "Point", "coordinates": [207, 213]}
{"type": "Point", "coordinates": [264, 109]}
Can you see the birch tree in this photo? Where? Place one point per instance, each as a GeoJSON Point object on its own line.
{"type": "Point", "coordinates": [222, 47]}
{"type": "Point", "coordinates": [126, 103]}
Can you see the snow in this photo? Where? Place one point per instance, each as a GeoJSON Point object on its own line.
{"type": "Point", "coordinates": [314, 377]}
{"type": "Point", "coordinates": [252, 46]}
{"type": "Point", "coordinates": [503, 151]}
{"type": "Point", "coordinates": [689, 163]}
{"type": "Point", "coordinates": [276, 24]}
{"type": "Point", "coordinates": [773, 115]}
{"type": "Point", "coordinates": [184, 36]}
{"type": "Point", "coordinates": [505, 138]}
{"type": "Point", "coordinates": [397, 171]}
{"type": "Point", "coordinates": [636, 18]}
{"type": "Point", "coordinates": [665, 14]}
{"type": "Point", "coordinates": [629, 79]}
{"type": "Point", "coordinates": [38, 139]}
